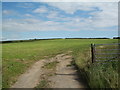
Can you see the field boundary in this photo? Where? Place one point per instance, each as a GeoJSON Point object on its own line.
{"type": "Point", "coordinates": [104, 54]}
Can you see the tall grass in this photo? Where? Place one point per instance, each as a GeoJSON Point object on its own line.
{"type": "Point", "coordinates": [17, 57]}
{"type": "Point", "coordinates": [99, 75]}
{"type": "Point", "coordinates": [103, 75]}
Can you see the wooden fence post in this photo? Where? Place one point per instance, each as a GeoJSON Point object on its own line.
{"type": "Point", "coordinates": [93, 52]}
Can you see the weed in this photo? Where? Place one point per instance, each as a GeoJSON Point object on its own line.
{"type": "Point", "coordinates": [42, 84]}
{"type": "Point", "coordinates": [50, 65]}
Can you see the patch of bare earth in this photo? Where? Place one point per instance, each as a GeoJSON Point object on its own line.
{"type": "Point", "coordinates": [61, 75]}
{"type": "Point", "coordinates": [66, 75]}
{"type": "Point", "coordinates": [31, 77]}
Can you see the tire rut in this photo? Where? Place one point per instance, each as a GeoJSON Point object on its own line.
{"type": "Point", "coordinates": [64, 75]}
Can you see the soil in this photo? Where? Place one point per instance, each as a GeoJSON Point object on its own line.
{"type": "Point", "coordinates": [63, 75]}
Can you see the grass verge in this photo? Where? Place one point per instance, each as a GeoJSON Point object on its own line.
{"type": "Point", "coordinates": [97, 75]}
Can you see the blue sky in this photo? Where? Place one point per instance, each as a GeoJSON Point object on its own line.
{"type": "Point", "coordinates": [25, 20]}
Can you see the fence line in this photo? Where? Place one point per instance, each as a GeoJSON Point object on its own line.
{"type": "Point", "coordinates": [109, 44]}
{"type": "Point", "coordinates": [108, 52]}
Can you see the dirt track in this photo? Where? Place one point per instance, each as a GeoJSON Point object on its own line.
{"type": "Point", "coordinates": [65, 74]}
{"type": "Point", "coordinates": [31, 77]}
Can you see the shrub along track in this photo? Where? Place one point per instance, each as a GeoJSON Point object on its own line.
{"type": "Point", "coordinates": [56, 72]}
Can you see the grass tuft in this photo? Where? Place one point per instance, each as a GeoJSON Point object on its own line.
{"type": "Point", "coordinates": [50, 65]}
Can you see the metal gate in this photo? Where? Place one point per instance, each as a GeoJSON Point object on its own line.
{"type": "Point", "coordinates": [105, 52]}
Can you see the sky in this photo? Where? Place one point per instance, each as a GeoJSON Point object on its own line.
{"type": "Point", "coordinates": [30, 20]}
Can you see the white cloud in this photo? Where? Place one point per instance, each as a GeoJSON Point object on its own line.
{"type": "Point", "coordinates": [40, 25]}
{"type": "Point", "coordinates": [30, 25]}
{"type": "Point", "coordinates": [25, 5]}
{"type": "Point", "coordinates": [41, 9]}
{"type": "Point", "coordinates": [3, 38]}
{"type": "Point", "coordinates": [6, 12]}
{"type": "Point", "coordinates": [28, 15]}
{"type": "Point", "coordinates": [71, 7]}
{"type": "Point", "coordinates": [60, 1]}
{"type": "Point", "coordinates": [10, 13]}
{"type": "Point", "coordinates": [52, 14]}
{"type": "Point", "coordinates": [106, 16]}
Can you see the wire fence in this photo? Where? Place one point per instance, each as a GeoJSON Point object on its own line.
{"type": "Point", "coordinates": [105, 52]}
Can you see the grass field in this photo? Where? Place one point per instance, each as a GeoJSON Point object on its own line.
{"type": "Point", "coordinates": [17, 57]}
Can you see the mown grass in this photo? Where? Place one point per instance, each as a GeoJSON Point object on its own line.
{"type": "Point", "coordinates": [17, 57]}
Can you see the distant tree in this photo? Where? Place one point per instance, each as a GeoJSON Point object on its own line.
{"type": "Point", "coordinates": [116, 37]}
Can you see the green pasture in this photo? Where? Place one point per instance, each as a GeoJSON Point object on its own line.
{"type": "Point", "coordinates": [17, 57]}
